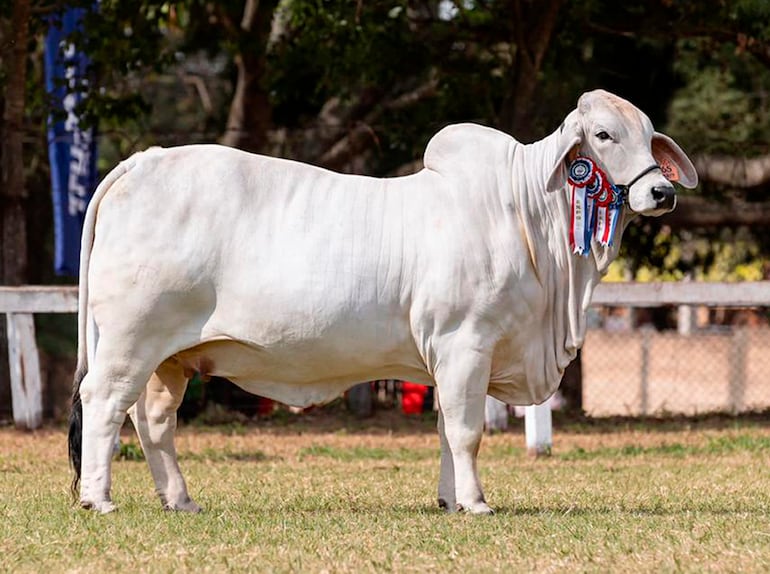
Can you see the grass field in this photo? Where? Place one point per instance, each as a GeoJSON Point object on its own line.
{"type": "Point", "coordinates": [319, 495]}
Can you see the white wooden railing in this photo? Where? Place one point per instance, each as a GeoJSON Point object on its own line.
{"type": "Point", "coordinates": [21, 303]}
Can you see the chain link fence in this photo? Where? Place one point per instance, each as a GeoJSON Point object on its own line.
{"type": "Point", "coordinates": [676, 360]}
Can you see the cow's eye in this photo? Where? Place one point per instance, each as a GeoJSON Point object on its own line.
{"type": "Point", "coordinates": [603, 136]}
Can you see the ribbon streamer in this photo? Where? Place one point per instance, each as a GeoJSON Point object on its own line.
{"type": "Point", "coordinates": [596, 206]}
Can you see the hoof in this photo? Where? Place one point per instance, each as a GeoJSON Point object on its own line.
{"type": "Point", "coordinates": [446, 506]}
{"type": "Point", "coordinates": [188, 506]}
{"type": "Point", "coordinates": [104, 507]}
{"type": "Point", "coordinates": [476, 508]}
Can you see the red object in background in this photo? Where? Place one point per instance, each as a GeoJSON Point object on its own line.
{"type": "Point", "coordinates": [265, 407]}
{"type": "Point", "coordinates": [412, 397]}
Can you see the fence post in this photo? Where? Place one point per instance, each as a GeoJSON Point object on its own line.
{"type": "Point", "coordinates": [644, 390]}
{"type": "Point", "coordinates": [537, 427]}
{"type": "Point", "coordinates": [685, 319]}
{"type": "Point", "coordinates": [26, 388]}
{"type": "Point", "coordinates": [737, 387]}
{"type": "Point", "coordinates": [495, 415]}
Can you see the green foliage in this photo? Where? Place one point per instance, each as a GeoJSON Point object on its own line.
{"type": "Point", "coordinates": [57, 334]}
{"type": "Point", "coordinates": [660, 255]}
{"type": "Point", "coordinates": [366, 453]}
{"type": "Point", "coordinates": [349, 50]}
{"type": "Point", "coordinates": [752, 16]}
{"type": "Point", "coordinates": [130, 451]}
{"type": "Point", "coordinates": [362, 54]}
{"type": "Point", "coordinates": [701, 70]}
{"type": "Point", "coordinates": [716, 446]}
{"type": "Point", "coordinates": [675, 449]}
{"type": "Point", "coordinates": [225, 455]}
{"type": "Point", "coordinates": [123, 39]}
{"type": "Point", "coordinates": [723, 105]}
{"type": "Point", "coordinates": [339, 48]}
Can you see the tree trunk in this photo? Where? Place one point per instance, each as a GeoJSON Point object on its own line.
{"type": "Point", "coordinates": [533, 25]}
{"type": "Point", "coordinates": [248, 122]}
{"type": "Point", "coordinates": [362, 136]}
{"type": "Point", "coordinates": [14, 234]}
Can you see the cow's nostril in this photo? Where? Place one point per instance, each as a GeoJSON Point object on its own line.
{"type": "Point", "coordinates": [664, 196]}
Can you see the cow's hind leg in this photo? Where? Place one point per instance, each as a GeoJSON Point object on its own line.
{"type": "Point", "coordinates": [154, 417]}
{"type": "Point", "coordinates": [105, 393]}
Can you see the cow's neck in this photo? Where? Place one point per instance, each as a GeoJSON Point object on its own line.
{"type": "Point", "coordinates": [600, 257]}
{"type": "Point", "coordinates": [569, 278]}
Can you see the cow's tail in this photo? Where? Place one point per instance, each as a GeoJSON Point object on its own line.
{"type": "Point", "coordinates": [85, 322]}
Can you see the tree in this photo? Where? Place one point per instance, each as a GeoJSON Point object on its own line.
{"type": "Point", "coordinates": [361, 86]}
{"type": "Point", "coordinates": [249, 119]}
{"type": "Point", "coordinates": [14, 192]}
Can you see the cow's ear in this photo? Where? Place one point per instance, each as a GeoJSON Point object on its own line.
{"type": "Point", "coordinates": [569, 141]}
{"type": "Point", "coordinates": [674, 163]}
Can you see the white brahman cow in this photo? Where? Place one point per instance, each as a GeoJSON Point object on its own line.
{"type": "Point", "coordinates": [295, 282]}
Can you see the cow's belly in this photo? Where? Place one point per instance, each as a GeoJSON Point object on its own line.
{"type": "Point", "coordinates": [304, 372]}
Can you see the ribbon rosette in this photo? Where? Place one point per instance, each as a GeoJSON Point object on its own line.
{"type": "Point", "coordinates": [596, 206]}
{"type": "Point", "coordinates": [581, 171]}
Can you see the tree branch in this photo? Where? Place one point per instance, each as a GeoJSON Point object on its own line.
{"type": "Point", "coordinates": [249, 15]}
{"type": "Point", "coordinates": [738, 172]}
{"type": "Point", "coordinates": [362, 136]}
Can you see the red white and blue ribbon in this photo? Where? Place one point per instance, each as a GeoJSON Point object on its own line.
{"type": "Point", "coordinates": [596, 206]}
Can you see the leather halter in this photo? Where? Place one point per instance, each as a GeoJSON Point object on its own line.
{"type": "Point", "coordinates": [624, 189]}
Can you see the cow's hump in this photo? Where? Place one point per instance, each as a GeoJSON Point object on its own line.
{"type": "Point", "coordinates": [459, 147]}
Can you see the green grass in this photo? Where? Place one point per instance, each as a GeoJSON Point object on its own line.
{"type": "Point", "coordinates": [367, 453]}
{"type": "Point", "coordinates": [716, 446]}
{"type": "Point", "coordinates": [292, 499]}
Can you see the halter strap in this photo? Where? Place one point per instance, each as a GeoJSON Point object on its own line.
{"type": "Point", "coordinates": [623, 189]}
{"type": "Point", "coordinates": [644, 172]}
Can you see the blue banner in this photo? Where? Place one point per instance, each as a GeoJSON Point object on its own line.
{"type": "Point", "coordinates": [71, 149]}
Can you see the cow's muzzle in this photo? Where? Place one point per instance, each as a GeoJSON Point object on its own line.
{"type": "Point", "coordinates": [664, 196]}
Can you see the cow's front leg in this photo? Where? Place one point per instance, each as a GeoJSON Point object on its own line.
{"type": "Point", "coordinates": [154, 418]}
{"type": "Point", "coordinates": [462, 384]}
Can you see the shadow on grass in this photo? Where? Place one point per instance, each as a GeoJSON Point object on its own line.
{"type": "Point", "coordinates": [563, 510]}
{"type": "Point", "coordinates": [218, 455]}
{"type": "Point", "coordinates": [556, 511]}
{"type": "Point", "coordinates": [368, 453]}
{"type": "Point", "coordinates": [132, 452]}
{"type": "Point", "coordinates": [581, 424]}
{"type": "Point", "coordinates": [335, 418]}
{"type": "Point", "coordinates": [330, 419]}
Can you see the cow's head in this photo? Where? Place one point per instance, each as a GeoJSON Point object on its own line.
{"type": "Point", "coordinates": [621, 141]}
